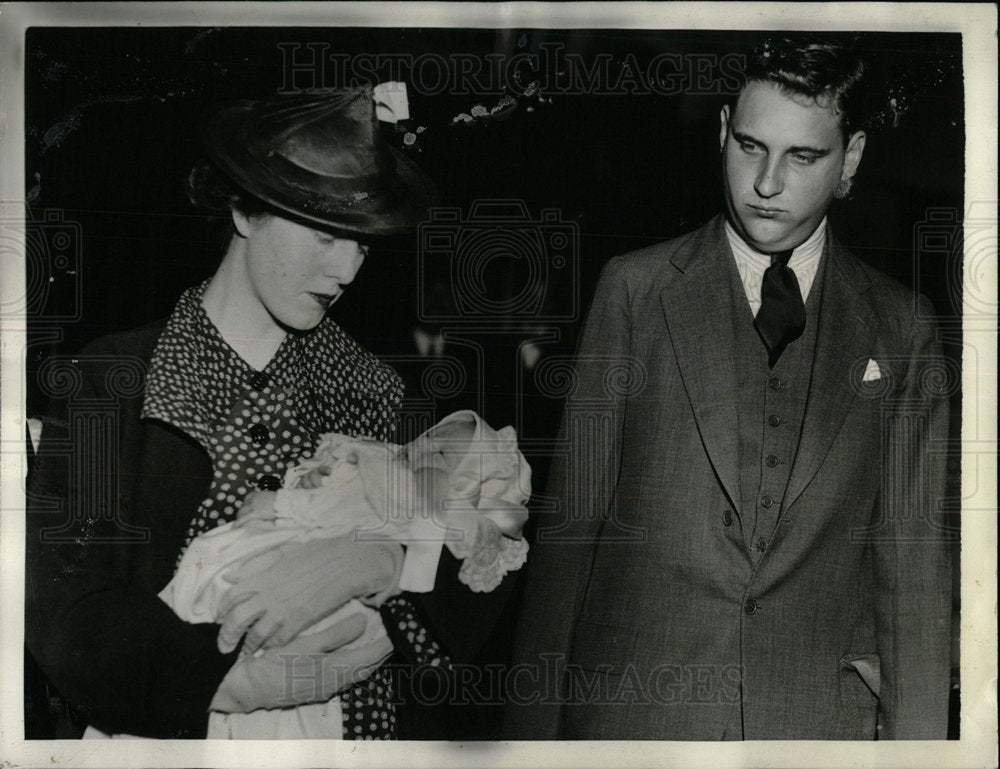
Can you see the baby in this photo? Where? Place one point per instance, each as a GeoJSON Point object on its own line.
{"type": "Point", "coordinates": [461, 484]}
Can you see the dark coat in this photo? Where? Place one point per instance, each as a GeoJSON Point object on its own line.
{"type": "Point", "coordinates": [683, 634]}
{"type": "Point", "coordinates": [110, 500]}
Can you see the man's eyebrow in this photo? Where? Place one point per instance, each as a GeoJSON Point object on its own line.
{"type": "Point", "coordinates": [742, 137]}
{"type": "Point", "coordinates": [815, 151]}
{"type": "Point", "coordinates": [798, 149]}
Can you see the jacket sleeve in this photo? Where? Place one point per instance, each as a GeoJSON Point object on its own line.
{"type": "Point", "coordinates": [460, 620]}
{"type": "Point", "coordinates": [912, 549]}
{"type": "Point", "coordinates": [93, 620]}
{"type": "Point", "coordinates": [581, 487]}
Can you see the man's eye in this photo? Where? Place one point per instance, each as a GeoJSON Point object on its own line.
{"type": "Point", "coordinates": [749, 147]}
{"type": "Point", "coordinates": [324, 237]}
{"type": "Point", "coordinates": [804, 159]}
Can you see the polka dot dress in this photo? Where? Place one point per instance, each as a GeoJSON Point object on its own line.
{"type": "Point", "coordinates": [368, 710]}
{"type": "Point", "coordinates": [255, 424]}
{"type": "Point", "coordinates": [257, 442]}
{"type": "Point", "coordinates": [399, 615]}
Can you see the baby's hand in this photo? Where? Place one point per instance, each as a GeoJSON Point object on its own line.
{"type": "Point", "coordinates": [257, 505]}
{"type": "Point", "coordinates": [314, 478]}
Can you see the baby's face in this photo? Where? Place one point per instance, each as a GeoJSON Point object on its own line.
{"type": "Point", "coordinates": [442, 448]}
{"type": "Point", "coordinates": [432, 488]}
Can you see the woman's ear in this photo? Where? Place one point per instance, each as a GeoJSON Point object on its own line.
{"type": "Point", "coordinates": [241, 222]}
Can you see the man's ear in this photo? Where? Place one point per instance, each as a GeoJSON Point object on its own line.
{"type": "Point", "coordinates": [241, 222]}
{"type": "Point", "coordinates": [852, 158]}
{"type": "Point", "coordinates": [724, 126]}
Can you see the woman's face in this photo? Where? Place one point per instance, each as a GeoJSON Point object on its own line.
{"type": "Point", "coordinates": [294, 271]}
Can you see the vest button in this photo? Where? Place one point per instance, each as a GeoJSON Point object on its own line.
{"type": "Point", "coordinates": [771, 460]}
{"type": "Point", "coordinates": [774, 420]}
{"type": "Point", "coordinates": [762, 544]}
{"type": "Point", "coordinates": [269, 483]}
{"type": "Point", "coordinates": [727, 517]}
{"type": "Point", "coordinates": [259, 434]}
{"type": "Point", "coordinates": [259, 380]}
{"type": "Point", "coordinates": [750, 607]}
{"type": "Point", "coordinates": [774, 383]}
{"type": "Point", "coordinates": [766, 501]}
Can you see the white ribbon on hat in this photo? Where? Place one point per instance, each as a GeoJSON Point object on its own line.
{"type": "Point", "coordinates": [391, 104]}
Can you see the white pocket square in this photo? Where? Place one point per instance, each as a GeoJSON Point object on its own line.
{"type": "Point", "coordinates": [872, 371]}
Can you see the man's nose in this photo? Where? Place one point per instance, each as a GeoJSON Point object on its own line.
{"type": "Point", "coordinates": [344, 259]}
{"type": "Point", "coordinates": [769, 181]}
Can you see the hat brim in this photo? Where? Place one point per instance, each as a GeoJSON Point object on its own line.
{"type": "Point", "coordinates": [393, 203]}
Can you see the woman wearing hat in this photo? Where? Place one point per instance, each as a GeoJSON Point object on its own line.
{"type": "Point", "coordinates": [218, 401]}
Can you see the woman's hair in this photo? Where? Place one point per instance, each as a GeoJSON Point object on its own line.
{"type": "Point", "coordinates": [209, 188]}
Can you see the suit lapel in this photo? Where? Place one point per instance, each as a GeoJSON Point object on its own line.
{"type": "Point", "coordinates": [698, 308]}
{"type": "Point", "coordinates": [845, 335]}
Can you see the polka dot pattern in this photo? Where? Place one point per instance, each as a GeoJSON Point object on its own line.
{"type": "Point", "coordinates": [423, 649]}
{"type": "Point", "coordinates": [368, 708]}
{"type": "Point", "coordinates": [254, 425]}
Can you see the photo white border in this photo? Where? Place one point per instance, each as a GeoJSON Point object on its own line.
{"type": "Point", "coordinates": [978, 744]}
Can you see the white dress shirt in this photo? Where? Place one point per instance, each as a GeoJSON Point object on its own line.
{"type": "Point", "coordinates": [751, 264]}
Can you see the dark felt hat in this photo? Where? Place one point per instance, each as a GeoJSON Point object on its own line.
{"type": "Point", "coordinates": [321, 158]}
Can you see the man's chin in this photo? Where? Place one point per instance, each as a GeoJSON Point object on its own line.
{"type": "Point", "coordinates": [768, 238]}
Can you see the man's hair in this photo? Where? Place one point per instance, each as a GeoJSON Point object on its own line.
{"type": "Point", "coordinates": [821, 69]}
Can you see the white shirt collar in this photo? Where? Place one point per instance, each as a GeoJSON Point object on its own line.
{"type": "Point", "coordinates": [751, 264]}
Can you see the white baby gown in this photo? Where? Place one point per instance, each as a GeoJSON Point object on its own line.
{"type": "Point", "coordinates": [372, 491]}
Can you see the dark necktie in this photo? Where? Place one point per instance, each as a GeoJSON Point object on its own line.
{"type": "Point", "coordinates": [782, 314]}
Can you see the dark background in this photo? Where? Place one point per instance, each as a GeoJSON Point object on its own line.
{"type": "Point", "coordinates": [112, 128]}
{"type": "Point", "coordinates": [113, 118]}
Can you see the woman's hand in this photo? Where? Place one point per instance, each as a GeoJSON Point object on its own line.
{"type": "Point", "coordinates": [312, 668]}
{"type": "Point", "coordinates": [279, 593]}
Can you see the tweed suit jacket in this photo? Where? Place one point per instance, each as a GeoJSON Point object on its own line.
{"type": "Point", "coordinates": [645, 615]}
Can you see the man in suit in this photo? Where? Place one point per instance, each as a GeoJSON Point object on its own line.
{"type": "Point", "coordinates": [750, 543]}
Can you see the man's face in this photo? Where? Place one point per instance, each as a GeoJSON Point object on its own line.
{"type": "Point", "coordinates": [782, 156]}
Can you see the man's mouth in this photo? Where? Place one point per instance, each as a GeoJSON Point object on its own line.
{"type": "Point", "coordinates": [765, 211]}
